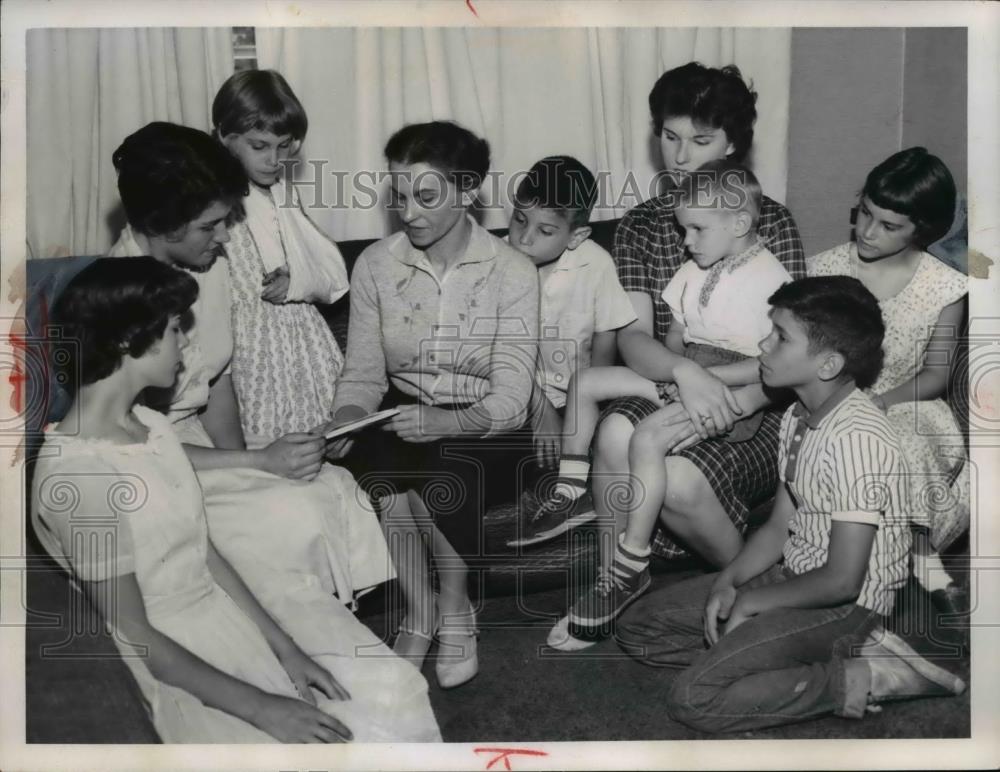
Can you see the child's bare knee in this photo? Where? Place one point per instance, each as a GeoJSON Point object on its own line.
{"type": "Point", "coordinates": [612, 439]}
{"type": "Point", "coordinates": [687, 488]}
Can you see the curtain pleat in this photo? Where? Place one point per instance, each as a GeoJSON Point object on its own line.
{"type": "Point", "coordinates": [87, 90]}
{"type": "Point", "coordinates": [530, 92]}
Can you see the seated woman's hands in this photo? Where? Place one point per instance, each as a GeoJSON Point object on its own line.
{"type": "Point", "coordinates": [709, 402]}
{"type": "Point", "coordinates": [422, 423]}
{"type": "Point", "coordinates": [297, 456]}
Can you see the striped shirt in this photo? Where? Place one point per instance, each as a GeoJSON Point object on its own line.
{"type": "Point", "coordinates": [844, 463]}
{"type": "Point", "coordinates": [649, 248]}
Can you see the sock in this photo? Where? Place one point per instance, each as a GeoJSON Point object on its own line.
{"type": "Point", "coordinates": [634, 559]}
{"type": "Point", "coordinates": [573, 474]}
{"type": "Point", "coordinates": [929, 569]}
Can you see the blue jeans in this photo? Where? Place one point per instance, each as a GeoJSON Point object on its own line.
{"type": "Point", "coordinates": [779, 667]}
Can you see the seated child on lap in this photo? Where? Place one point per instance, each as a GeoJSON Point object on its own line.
{"type": "Point", "coordinates": [718, 300]}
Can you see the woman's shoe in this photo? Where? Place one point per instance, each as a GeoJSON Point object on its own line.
{"type": "Point", "coordinates": [413, 645]}
{"type": "Point", "coordinates": [457, 657]}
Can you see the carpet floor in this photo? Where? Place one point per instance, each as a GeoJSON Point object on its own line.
{"type": "Point", "coordinates": [528, 692]}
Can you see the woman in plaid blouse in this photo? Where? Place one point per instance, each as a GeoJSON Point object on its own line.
{"type": "Point", "coordinates": [700, 114]}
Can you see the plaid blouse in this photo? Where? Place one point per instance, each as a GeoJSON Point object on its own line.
{"type": "Point", "coordinates": [649, 248]}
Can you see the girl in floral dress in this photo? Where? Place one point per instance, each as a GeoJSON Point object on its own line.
{"type": "Point", "coordinates": [907, 203]}
{"type": "Point", "coordinates": [285, 359]}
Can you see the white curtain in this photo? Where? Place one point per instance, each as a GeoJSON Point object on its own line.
{"type": "Point", "coordinates": [87, 90]}
{"type": "Point", "coordinates": [530, 92]}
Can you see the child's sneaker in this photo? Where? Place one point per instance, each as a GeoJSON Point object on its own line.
{"type": "Point", "coordinates": [561, 637]}
{"type": "Point", "coordinates": [614, 589]}
{"type": "Point", "coordinates": [556, 515]}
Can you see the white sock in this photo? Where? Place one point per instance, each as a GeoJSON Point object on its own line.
{"type": "Point", "coordinates": [573, 474]}
{"type": "Point", "coordinates": [929, 570]}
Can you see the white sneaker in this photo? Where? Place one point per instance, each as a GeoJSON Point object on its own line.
{"type": "Point", "coordinates": [560, 638]}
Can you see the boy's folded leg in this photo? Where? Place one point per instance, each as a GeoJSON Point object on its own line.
{"type": "Point", "coordinates": [554, 516]}
{"type": "Point", "coordinates": [898, 672]}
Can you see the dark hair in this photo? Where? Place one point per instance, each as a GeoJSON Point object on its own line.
{"type": "Point", "coordinates": [446, 146]}
{"type": "Point", "coordinates": [258, 99]}
{"type": "Point", "coordinates": [117, 306]}
{"type": "Point", "coordinates": [559, 182]}
{"type": "Point", "coordinates": [917, 184]}
{"type": "Point", "coordinates": [724, 184]}
{"type": "Point", "coordinates": [709, 96]}
{"type": "Point", "coordinates": [839, 314]}
{"type": "Point", "coordinates": [169, 174]}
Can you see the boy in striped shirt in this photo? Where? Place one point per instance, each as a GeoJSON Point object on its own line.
{"type": "Point", "coordinates": [811, 587]}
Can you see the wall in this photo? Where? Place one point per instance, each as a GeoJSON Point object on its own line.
{"type": "Point", "coordinates": [857, 96]}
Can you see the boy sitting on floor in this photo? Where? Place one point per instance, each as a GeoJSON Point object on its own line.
{"type": "Point", "coordinates": [582, 303]}
{"type": "Point", "coordinates": [783, 619]}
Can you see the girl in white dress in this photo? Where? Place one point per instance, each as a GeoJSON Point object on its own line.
{"type": "Point", "coordinates": [907, 203]}
{"type": "Point", "coordinates": [285, 359]}
{"type": "Point", "coordinates": [295, 528]}
{"type": "Point", "coordinates": [117, 503]}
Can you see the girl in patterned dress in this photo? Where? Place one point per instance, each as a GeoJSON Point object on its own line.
{"type": "Point", "coordinates": [286, 361]}
{"type": "Point", "coordinates": [908, 202]}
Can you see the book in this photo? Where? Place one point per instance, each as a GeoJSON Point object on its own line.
{"type": "Point", "coordinates": [361, 423]}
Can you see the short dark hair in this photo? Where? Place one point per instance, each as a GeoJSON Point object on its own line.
{"type": "Point", "coordinates": [839, 314]}
{"type": "Point", "coordinates": [917, 184]}
{"type": "Point", "coordinates": [562, 183]}
{"type": "Point", "coordinates": [169, 174]}
{"type": "Point", "coordinates": [446, 146]}
{"type": "Point", "coordinates": [261, 100]}
{"type": "Point", "coordinates": [722, 183]}
{"type": "Point", "coordinates": [117, 306]}
{"type": "Point", "coordinates": [710, 96]}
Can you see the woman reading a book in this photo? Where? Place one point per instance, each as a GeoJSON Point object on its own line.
{"type": "Point", "coordinates": [443, 327]}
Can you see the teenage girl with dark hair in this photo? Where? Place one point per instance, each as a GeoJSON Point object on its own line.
{"type": "Point", "coordinates": [907, 203]}
{"type": "Point", "coordinates": [117, 503]}
{"type": "Point", "coordinates": [297, 530]}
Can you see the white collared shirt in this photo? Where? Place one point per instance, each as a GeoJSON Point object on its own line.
{"type": "Point", "coordinates": [736, 317]}
{"type": "Point", "coordinates": [580, 297]}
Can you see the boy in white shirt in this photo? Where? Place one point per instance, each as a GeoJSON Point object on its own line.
{"type": "Point", "coordinates": [718, 300]}
{"type": "Point", "coordinates": [582, 303]}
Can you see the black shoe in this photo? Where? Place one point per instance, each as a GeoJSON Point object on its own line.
{"type": "Point", "coordinates": [554, 517]}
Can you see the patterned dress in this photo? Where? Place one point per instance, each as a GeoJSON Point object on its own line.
{"type": "Point", "coordinates": [929, 434]}
{"type": "Point", "coordinates": [648, 251]}
{"type": "Point", "coordinates": [286, 361]}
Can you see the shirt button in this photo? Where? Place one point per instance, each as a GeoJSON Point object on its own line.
{"type": "Point", "coordinates": [798, 436]}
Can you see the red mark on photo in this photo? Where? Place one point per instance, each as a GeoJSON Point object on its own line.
{"type": "Point", "coordinates": [504, 754]}
{"type": "Point", "coordinates": [472, 8]}
{"type": "Point", "coordinates": [17, 375]}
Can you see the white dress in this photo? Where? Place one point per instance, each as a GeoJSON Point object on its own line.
{"type": "Point", "coordinates": [279, 534]}
{"type": "Point", "coordinates": [104, 510]}
{"type": "Point", "coordinates": [928, 432]}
